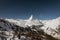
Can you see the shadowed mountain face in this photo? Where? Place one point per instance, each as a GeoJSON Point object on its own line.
{"type": "Point", "coordinates": [40, 31]}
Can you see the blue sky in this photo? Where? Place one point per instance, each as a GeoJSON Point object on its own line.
{"type": "Point", "coordinates": [40, 9]}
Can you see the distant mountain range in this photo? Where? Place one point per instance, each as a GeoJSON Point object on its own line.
{"type": "Point", "coordinates": [50, 27]}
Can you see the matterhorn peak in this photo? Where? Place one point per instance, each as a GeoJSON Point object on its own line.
{"type": "Point", "coordinates": [31, 17]}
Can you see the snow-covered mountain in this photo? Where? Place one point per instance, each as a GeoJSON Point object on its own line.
{"type": "Point", "coordinates": [50, 27]}
{"type": "Point", "coordinates": [25, 23]}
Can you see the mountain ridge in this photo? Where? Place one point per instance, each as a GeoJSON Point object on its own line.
{"type": "Point", "coordinates": [50, 27]}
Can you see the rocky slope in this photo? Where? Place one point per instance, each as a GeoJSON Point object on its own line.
{"type": "Point", "coordinates": [30, 29]}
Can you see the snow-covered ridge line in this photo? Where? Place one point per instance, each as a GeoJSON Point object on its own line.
{"type": "Point", "coordinates": [24, 23]}
{"type": "Point", "coordinates": [51, 27]}
{"type": "Point", "coordinates": [48, 25]}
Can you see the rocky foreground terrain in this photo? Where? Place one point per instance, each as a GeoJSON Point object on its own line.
{"type": "Point", "coordinates": [29, 29]}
